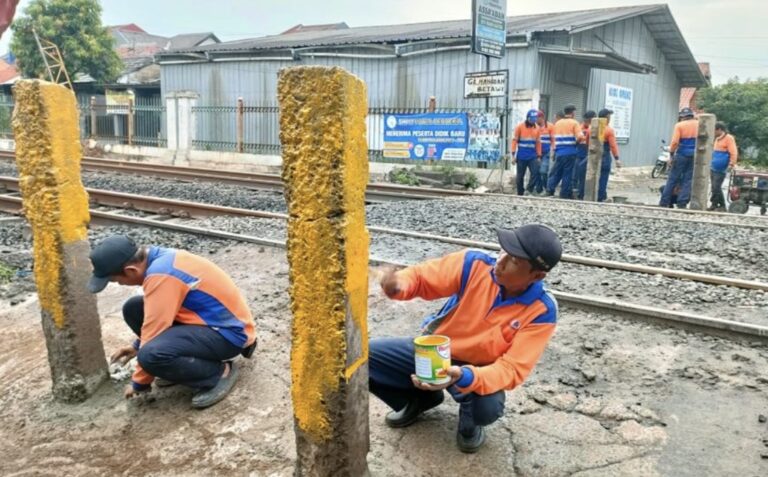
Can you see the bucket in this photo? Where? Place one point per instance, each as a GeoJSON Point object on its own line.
{"type": "Point", "coordinates": [433, 358]}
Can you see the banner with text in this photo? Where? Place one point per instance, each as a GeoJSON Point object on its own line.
{"type": "Point", "coordinates": [426, 136]}
{"type": "Point", "coordinates": [484, 137]}
{"type": "Point", "coordinates": [619, 100]}
{"type": "Point", "coordinates": [486, 84]}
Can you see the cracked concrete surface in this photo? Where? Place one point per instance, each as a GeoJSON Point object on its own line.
{"type": "Point", "coordinates": [610, 397]}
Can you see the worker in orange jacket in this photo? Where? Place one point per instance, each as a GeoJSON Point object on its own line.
{"type": "Point", "coordinates": [499, 317]}
{"type": "Point", "coordinates": [610, 154]}
{"type": "Point", "coordinates": [724, 157]}
{"type": "Point", "coordinates": [682, 148]}
{"type": "Point", "coordinates": [568, 135]}
{"type": "Point", "coordinates": [547, 137]}
{"type": "Point", "coordinates": [526, 150]}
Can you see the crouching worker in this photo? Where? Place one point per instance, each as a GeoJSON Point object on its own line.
{"type": "Point", "coordinates": [498, 316]}
{"type": "Point", "coordinates": [190, 324]}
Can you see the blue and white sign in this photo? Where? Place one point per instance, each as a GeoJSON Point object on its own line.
{"type": "Point", "coordinates": [489, 27]}
{"type": "Point", "coordinates": [619, 100]}
{"type": "Point", "coordinates": [439, 136]}
{"type": "Point", "coordinates": [484, 137]}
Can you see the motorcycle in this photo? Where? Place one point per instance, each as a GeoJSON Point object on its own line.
{"type": "Point", "coordinates": [662, 162]}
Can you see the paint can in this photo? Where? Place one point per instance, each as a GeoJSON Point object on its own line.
{"type": "Point", "coordinates": [433, 358]}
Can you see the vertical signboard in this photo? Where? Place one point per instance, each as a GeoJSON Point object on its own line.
{"type": "Point", "coordinates": [489, 27]}
{"type": "Point", "coordinates": [619, 100]}
{"type": "Point", "coordinates": [484, 137]}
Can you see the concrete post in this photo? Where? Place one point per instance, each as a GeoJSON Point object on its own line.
{"type": "Point", "coordinates": [130, 122]}
{"type": "Point", "coordinates": [239, 123]}
{"type": "Point", "coordinates": [48, 154]}
{"type": "Point", "coordinates": [594, 157]}
{"type": "Point", "coordinates": [94, 124]}
{"type": "Point", "coordinates": [171, 121]}
{"type": "Point", "coordinates": [325, 170]}
{"type": "Point", "coordinates": [432, 104]}
{"type": "Point", "coordinates": [704, 145]}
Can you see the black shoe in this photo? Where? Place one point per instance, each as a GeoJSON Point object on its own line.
{"type": "Point", "coordinates": [408, 415]}
{"type": "Point", "coordinates": [473, 443]}
{"type": "Point", "coordinates": [209, 397]}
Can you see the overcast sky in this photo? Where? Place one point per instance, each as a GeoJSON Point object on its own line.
{"type": "Point", "coordinates": [730, 34]}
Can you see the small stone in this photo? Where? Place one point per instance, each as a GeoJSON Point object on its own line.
{"type": "Point", "coordinates": [563, 402]}
{"type": "Point", "coordinates": [589, 375]}
{"type": "Point", "coordinates": [589, 346]}
{"type": "Point", "coordinates": [589, 407]}
{"type": "Point", "coordinates": [762, 419]}
{"type": "Point", "coordinates": [529, 407]}
{"type": "Point", "coordinates": [618, 412]}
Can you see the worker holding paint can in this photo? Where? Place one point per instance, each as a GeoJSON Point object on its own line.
{"type": "Point", "coordinates": [486, 338]}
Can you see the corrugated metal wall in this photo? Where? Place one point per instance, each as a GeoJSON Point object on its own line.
{"type": "Point", "coordinates": [655, 96]}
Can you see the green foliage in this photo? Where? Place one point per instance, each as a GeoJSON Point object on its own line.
{"type": "Point", "coordinates": [75, 27]}
{"type": "Point", "coordinates": [404, 176]}
{"type": "Point", "coordinates": [743, 107]}
{"type": "Point", "coordinates": [471, 181]}
{"type": "Point", "coordinates": [6, 273]}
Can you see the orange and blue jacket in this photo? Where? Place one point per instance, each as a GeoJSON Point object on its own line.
{"type": "Point", "coordinates": [501, 339]}
{"type": "Point", "coordinates": [684, 138]}
{"type": "Point", "coordinates": [610, 146]}
{"type": "Point", "coordinates": [725, 153]}
{"type": "Point", "coordinates": [568, 134]}
{"type": "Point", "coordinates": [527, 140]}
{"type": "Point", "coordinates": [182, 288]}
{"type": "Point", "coordinates": [546, 135]}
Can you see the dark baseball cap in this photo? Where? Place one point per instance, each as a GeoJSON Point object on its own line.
{"type": "Point", "coordinates": [568, 109]}
{"type": "Point", "coordinates": [590, 114]}
{"type": "Point", "coordinates": [604, 113]}
{"type": "Point", "coordinates": [108, 258]}
{"type": "Point", "coordinates": [537, 243]}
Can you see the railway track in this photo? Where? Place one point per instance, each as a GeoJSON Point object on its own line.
{"type": "Point", "coordinates": [383, 192]}
{"type": "Point", "coordinates": [170, 208]}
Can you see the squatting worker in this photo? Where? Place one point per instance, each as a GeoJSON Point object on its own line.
{"type": "Point", "coordinates": [526, 150]}
{"type": "Point", "coordinates": [682, 148]}
{"type": "Point", "coordinates": [499, 317]}
{"type": "Point", "coordinates": [191, 322]}
{"type": "Point", "coordinates": [724, 157]}
{"type": "Point", "coordinates": [567, 135]}
{"type": "Point", "coordinates": [582, 152]}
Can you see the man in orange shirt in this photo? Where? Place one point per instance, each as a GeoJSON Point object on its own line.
{"type": "Point", "coordinates": [191, 322]}
{"type": "Point", "coordinates": [547, 136]}
{"type": "Point", "coordinates": [724, 157]}
{"type": "Point", "coordinates": [682, 148]}
{"type": "Point", "coordinates": [499, 317]}
{"type": "Point", "coordinates": [567, 135]}
{"type": "Point", "coordinates": [526, 150]}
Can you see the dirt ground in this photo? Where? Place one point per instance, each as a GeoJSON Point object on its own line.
{"type": "Point", "coordinates": [610, 397]}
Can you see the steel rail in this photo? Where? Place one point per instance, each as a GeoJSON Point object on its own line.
{"type": "Point", "coordinates": [710, 325]}
{"type": "Point", "coordinates": [184, 209]}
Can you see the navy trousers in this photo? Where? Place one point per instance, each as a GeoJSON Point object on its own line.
{"type": "Point", "coordinates": [681, 174]}
{"type": "Point", "coordinates": [390, 366]}
{"type": "Point", "coordinates": [580, 176]}
{"type": "Point", "coordinates": [605, 173]}
{"type": "Point", "coordinates": [717, 178]}
{"type": "Point", "coordinates": [191, 355]}
{"type": "Point", "coordinates": [562, 171]}
{"type": "Point", "coordinates": [530, 165]}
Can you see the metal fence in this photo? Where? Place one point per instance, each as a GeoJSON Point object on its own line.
{"type": "Point", "coordinates": [238, 127]}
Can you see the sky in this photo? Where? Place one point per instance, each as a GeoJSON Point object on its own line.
{"type": "Point", "coordinates": [729, 34]}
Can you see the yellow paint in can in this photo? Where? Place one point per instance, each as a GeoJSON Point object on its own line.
{"type": "Point", "coordinates": [432, 358]}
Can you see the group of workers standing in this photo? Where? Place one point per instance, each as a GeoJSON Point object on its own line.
{"type": "Point", "coordinates": [677, 190]}
{"type": "Point", "coordinates": [536, 140]}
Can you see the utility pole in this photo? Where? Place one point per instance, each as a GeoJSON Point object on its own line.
{"type": "Point", "coordinates": [594, 158]}
{"type": "Point", "coordinates": [703, 156]}
{"type": "Point", "coordinates": [54, 63]}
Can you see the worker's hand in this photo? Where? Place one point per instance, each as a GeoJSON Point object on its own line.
{"type": "Point", "coordinates": [387, 276]}
{"type": "Point", "coordinates": [514, 159]}
{"type": "Point", "coordinates": [130, 393]}
{"type": "Point", "coordinates": [618, 164]}
{"type": "Point", "coordinates": [123, 355]}
{"type": "Point", "coordinates": [454, 372]}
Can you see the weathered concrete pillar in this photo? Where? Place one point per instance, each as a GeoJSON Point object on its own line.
{"type": "Point", "coordinates": [48, 154]}
{"type": "Point", "coordinates": [594, 157]}
{"type": "Point", "coordinates": [325, 169]}
{"type": "Point", "coordinates": [705, 141]}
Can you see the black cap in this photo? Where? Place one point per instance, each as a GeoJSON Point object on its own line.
{"type": "Point", "coordinates": [604, 113]}
{"type": "Point", "coordinates": [590, 114]}
{"type": "Point", "coordinates": [686, 113]}
{"type": "Point", "coordinates": [108, 258]}
{"type": "Point", "coordinates": [569, 109]}
{"type": "Point", "coordinates": [537, 243]}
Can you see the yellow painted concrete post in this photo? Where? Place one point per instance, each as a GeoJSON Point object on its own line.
{"type": "Point", "coordinates": [48, 154]}
{"type": "Point", "coordinates": [594, 157]}
{"type": "Point", "coordinates": [325, 170]}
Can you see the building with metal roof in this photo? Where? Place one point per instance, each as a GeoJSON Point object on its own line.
{"type": "Point", "coordinates": [553, 59]}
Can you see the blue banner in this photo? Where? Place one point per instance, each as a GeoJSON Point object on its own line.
{"type": "Point", "coordinates": [426, 136]}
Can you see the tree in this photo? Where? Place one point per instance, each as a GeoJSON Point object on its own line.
{"type": "Point", "coordinates": [75, 27]}
{"type": "Point", "coordinates": [743, 107]}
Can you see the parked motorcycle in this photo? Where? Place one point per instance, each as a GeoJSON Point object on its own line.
{"type": "Point", "coordinates": [662, 162]}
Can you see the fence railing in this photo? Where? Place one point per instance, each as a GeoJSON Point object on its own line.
{"type": "Point", "coordinates": [239, 127]}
